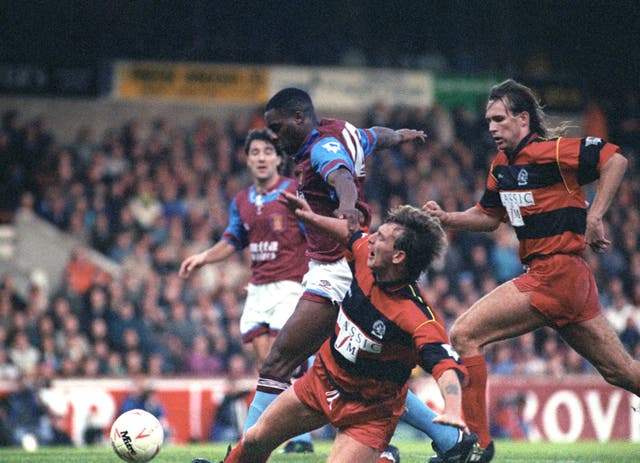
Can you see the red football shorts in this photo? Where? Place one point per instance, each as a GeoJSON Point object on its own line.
{"type": "Point", "coordinates": [562, 288]}
{"type": "Point", "coordinates": [370, 424]}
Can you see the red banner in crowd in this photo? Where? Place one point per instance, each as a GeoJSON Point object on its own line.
{"type": "Point", "coordinates": [560, 410]}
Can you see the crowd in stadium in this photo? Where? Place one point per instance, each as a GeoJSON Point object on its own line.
{"type": "Point", "coordinates": [148, 194]}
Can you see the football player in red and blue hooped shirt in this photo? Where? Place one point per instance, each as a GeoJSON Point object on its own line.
{"type": "Point", "coordinates": [535, 183]}
{"type": "Point", "coordinates": [358, 381]}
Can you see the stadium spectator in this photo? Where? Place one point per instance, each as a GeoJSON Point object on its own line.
{"type": "Point", "coordinates": [143, 396]}
{"type": "Point", "coordinates": [81, 271]}
{"type": "Point", "coordinates": [509, 420]}
{"type": "Point", "coordinates": [203, 359]}
{"type": "Point", "coordinates": [26, 413]}
{"type": "Point", "coordinates": [23, 354]}
{"type": "Point", "coordinates": [115, 365]}
{"type": "Point", "coordinates": [96, 306]}
{"type": "Point", "coordinates": [533, 179]}
{"type": "Point", "coordinates": [232, 411]}
{"type": "Point", "coordinates": [8, 371]}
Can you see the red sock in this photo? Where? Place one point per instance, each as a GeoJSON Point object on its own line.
{"type": "Point", "coordinates": [474, 398]}
{"type": "Point", "coordinates": [240, 455]}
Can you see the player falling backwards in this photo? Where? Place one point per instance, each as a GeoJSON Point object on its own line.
{"type": "Point", "coordinates": [358, 381]}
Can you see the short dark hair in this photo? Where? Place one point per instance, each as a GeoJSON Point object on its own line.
{"type": "Point", "coordinates": [261, 134]}
{"type": "Point", "coordinates": [291, 99]}
{"type": "Point", "coordinates": [423, 239]}
{"type": "Point", "coordinates": [519, 98]}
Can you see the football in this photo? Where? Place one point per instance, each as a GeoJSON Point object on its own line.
{"type": "Point", "coordinates": [136, 436]}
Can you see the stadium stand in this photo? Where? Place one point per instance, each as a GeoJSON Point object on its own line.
{"type": "Point", "coordinates": [125, 206]}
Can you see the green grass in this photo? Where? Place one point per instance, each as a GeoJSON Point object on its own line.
{"type": "Point", "coordinates": [412, 451]}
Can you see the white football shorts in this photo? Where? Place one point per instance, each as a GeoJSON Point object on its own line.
{"type": "Point", "coordinates": [270, 303]}
{"type": "Point", "coordinates": [331, 280]}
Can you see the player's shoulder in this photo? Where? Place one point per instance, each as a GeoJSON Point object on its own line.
{"type": "Point", "coordinates": [243, 194]}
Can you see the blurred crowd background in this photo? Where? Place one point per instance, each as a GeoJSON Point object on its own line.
{"type": "Point", "coordinates": [149, 193]}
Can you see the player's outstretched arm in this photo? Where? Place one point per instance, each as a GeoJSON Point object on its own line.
{"type": "Point", "coordinates": [338, 229]}
{"type": "Point", "coordinates": [219, 251]}
{"type": "Point", "coordinates": [451, 391]}
{"type": "Point", "coordinates": [472, 219]}
{"type": "Point", "coordinates": [388, 137]}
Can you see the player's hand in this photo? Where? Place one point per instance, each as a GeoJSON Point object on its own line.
{"type": "Point", "coordinates": [190, 264]}
{"type": "Point", "coordinates": [411, 134]}
{"type": "Point", "coordinates": [354, 217]}
{"type": "Point", "coordinates": [433, 208]}
{"type": "Point", "coordinates": [299, 206]}
{"type": "Point", "coordinates": [452, 420]}
{"type": "Point", "coordinates": [594, 235]}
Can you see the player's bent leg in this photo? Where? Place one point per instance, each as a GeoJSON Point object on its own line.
{"type": "Point", "coordinates": [285, 418]}
{"type": "Point", "coordinates": [261, 346]}
{"type": "Point", "coordinates": [502, 314]}
{"type": "Point", "coordinates": [597, 342]}
{"type": "Point", "coordinates": [300, 337]}
{"type": "Point", "coordinates": [345, 449]}
{"type": "Point", "coordinates": [420, 416]}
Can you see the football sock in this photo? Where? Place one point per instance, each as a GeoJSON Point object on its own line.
{"type": "Point", "coordinates": [306, 437]}
{"type": "Point", "coordinates": [420, 416]}
{"type": "Point", "coordinates": [240, 455]}
{"type": "Point", "coordinates": [474, 398]}
{"type": "Point", "coordinates": [259, 404]}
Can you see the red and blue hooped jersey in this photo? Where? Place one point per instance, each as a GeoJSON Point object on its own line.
{"type": "Point", "coordinates": [538, 189]}
{"type": "Point", "coordinates": [381, 334]}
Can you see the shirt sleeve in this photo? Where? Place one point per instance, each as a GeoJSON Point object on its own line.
{"type": "Point", "coordinates": [235, 232]}
{"type": "Point", "coordinates": [490, 203]}
{"type": "Point", "coordinates": [368, 140]}
{"type": "Point", "coordinates": [593, 154]}
{"type": "Point", "coordinates": [436, 354]}
{"type": "Point", "coordinates": [328, 155]}
{"type": "Point", "coordinates": [436, 358]}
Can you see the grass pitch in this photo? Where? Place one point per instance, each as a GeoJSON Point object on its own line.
{"type": "Point", "coordinates": [412, 451]}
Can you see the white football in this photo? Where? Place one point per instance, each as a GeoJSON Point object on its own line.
{"type": "Point", "coordinates": [136, 436]}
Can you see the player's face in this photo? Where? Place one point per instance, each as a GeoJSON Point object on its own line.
{"type": "Point", "coordinates": [506, 128]}
{"type": "Point", "coordinates": [382, 254]}
{"type": "Point", "coordinates": [289, 130]}
{"type": "Point", "coordinates": [263, 160]}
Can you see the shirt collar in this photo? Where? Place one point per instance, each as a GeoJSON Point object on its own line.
{"type": "Point", "coordinates": [524, 142]}
{"type": "Point", "coordinates": [306, 143]}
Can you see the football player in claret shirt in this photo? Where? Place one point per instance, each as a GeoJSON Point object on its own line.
{"type": "Point", "coordinates": [275, 238]}
{"type": "Point", "coordinates": [276, 242]}
{"type": "Point", "coordinates": [384, 327]}
{"type": "Point", "coordinates": [535, 183]}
